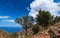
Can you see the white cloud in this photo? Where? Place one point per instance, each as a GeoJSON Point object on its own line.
{"type": "Point", "coordinates": [59, 4]}
{"type": "Point", "coordinates": [8, 20]}
{"type": "Point", "coordinates": [4, 17]}
{"type": "Point", "coordinates": [10, 25]}
{"type": "Point", "coordinates": [28, 8]}
{"type": "Point", "coordinates": [47, 5]}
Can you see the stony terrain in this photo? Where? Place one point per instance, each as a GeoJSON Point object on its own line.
{"type": "Point", "coordinates": [4, 34]}
{"type": "Point", "coordinates": [48, 33]}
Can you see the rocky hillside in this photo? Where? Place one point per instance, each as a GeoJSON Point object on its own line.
{"type": "Point", "coordinates": [51, 32]}
{"type": "Point", "coordinates": [4, 34]}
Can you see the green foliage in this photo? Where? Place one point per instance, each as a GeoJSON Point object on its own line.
{"type": "Point", "coordinates": [57, 19]}
{"type": "Point", "coordinates": [14, 35]}
{"type": "Point", "coordinates": [44, 18]}
{"type": "Point", "coordinates": [35, 29]}
{"type": "Point", "coordinates": [25, 22]}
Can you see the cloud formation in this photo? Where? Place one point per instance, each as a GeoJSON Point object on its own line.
{"type": "Point", "coordinates": [8, 20]}
{"type": "Point", "coordinates": [47, 5]}
{"type": "Point", "coordinates": [4, 17]}
{"type": "Point", "coordinates": [10, 24]}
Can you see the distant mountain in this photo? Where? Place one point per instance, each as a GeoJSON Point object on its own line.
{"type": "Point", "coordinates": [11, 29]}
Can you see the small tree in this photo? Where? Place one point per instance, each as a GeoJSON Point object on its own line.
{"type": "Point", "coordinates": [56, 19]}
{"type": "Point", "coordinates": [14, 35]}
{"type": "Point", "coordinates": [44, 18]}
{"type": "Point", "coordinates": [35, 29]}
{"type": "Point", "coordinates": [25, 22]}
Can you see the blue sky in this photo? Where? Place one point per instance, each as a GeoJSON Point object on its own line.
{"type": "Point", "coordinates": [11, 9]}
{"type": "Point", "coordinates": [14, 8]}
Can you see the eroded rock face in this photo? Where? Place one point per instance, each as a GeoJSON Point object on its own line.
{"type": "Point", "coordinates": [4, 34]}
{"type": "Point", "coordinates": [52, 31]}
{"type": "Point", "coordinates": [44, 36]}
{"type": "Point", "coordinates": [41, 35]}
{"type": "Point", "coordinates": [55, 28]}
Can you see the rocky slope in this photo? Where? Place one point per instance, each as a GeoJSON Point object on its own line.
{"type": "Point", "coordinates": [51, 32]}
{"type": "Point", "coordinates": [4, 34]}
